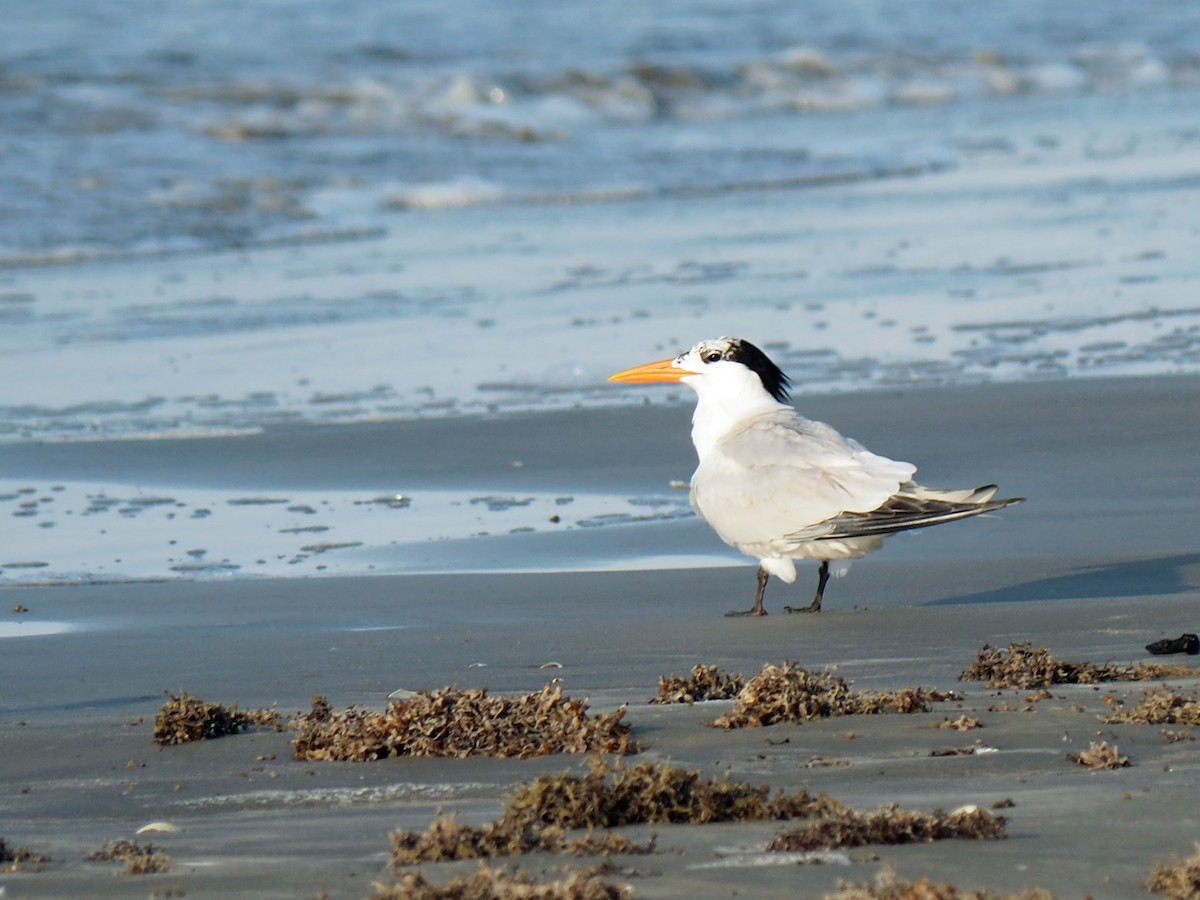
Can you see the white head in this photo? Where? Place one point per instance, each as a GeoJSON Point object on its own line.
{"type": "Point", "coordinates": [733, 380]}
{"type": "Point", "coordinates": [734, 368]}
{"type": "Point", "coordinates": [724, 365]}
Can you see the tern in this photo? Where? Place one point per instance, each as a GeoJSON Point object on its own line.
{"type": "Point", "coordinates": [780, 487]}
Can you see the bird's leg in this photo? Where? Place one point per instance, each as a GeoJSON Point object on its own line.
{"type": "Point", "coordinates": [757, 609]}
{"type": "Point", "coordinates": [815, 606]}
{"type": "Point", "coordinates": [822, 580]}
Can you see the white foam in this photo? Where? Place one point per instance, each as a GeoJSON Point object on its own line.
{"type": "Point", "coordinates": [408, 791]}
{"type": "Point", "coordinates": [33, 629]}
{"type": "Point", "coordinates": [454, 194]}
{"type": "Point", "coordinates": [745, 860]}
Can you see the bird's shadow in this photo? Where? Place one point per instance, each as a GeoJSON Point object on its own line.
{"type": "Point", "coordinates": [1159, 576]}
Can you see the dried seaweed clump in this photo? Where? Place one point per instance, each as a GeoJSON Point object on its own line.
{"type": "Point", "coordinates": [886, 887]}
{"type": "Point", "coordinates": [537, 815]}
{"type": "Point", "coordinates": [609, 842]}
{"type": "Point", "coordinates": [609, 797]}
{"type": "Point", "coordinates": [962, 723]}
{"type": "Point", "coordinates": [492, 884]}
{"type": "Point", "coordinates": [789, 693]}
{"type": "Point", "coordinates": [1026, 666]}
{"type": "Point", "coordinates": [1158, 706]}
{"type": "Point", "coordinates": [20, 859]}
{"type": "Point", "coordinates": [1178, 881]}
{"type": "Point", "coordinates": [1100, 756]}
{"type": "Point", "coordinates": [891, 825]}
{"type": "Point", "coordinates": [185, 718]}
{"type": "Point", "coordinates": [458, 723]}
{"type": "Point", "coordinates": [139, 859]}
{"type": "Point", "coordinates": [705, 683]}
{"type": "Point", "coordinates": [448, 839]}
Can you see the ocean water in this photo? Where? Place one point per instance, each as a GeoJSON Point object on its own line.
{"type": "Point", "coordinates": [219, 217]}
{"type": "Point", "coordinates": [141, 127]}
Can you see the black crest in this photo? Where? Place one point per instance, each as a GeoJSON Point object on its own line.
{"type": "Point", "coordinates": [772, 377]}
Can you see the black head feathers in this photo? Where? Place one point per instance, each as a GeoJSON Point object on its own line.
{"type": "Point", "coordinates": [774, 381]}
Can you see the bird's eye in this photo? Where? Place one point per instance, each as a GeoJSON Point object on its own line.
{"type": "Point", "coordinates": [711, 356]}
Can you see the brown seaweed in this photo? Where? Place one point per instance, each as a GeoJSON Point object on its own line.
{"type": "Point", "coordinates": [1157, 706]}
{"type": "Point", "coordinates": [789, 693]}
{"type": "Point", "coordinates": [1024, 666]}
{"type": "Point", "coordinates": [890, 825]}
{"type": "Point", "coordinates": [537, 815]}
{"type": "Point", "coordinates": [139, 859]}
{"type": "Point", "coordinates": [493, 884]}
{"type": "Point", "coordinates": [705, 683]}
{"type": "Point", "coordinates": [185, 718]}
{"type": "Point", "coordinates": [1180, 880]}
{"type": "Point", "coordinates": [20, 859]}
{"type": "Point", "coordinates": [886, 887]}
{"type": "Point", "coordinates": [962, 723]}
{"type": "Point", "coordinates": [1100, 756]}
{"type": "Point", "coordinates": [457, 723]}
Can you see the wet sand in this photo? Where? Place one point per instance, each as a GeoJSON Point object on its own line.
{"type": "Point", "coordinates": [1100, 561]}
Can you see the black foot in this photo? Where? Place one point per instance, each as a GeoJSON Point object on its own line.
{"type": "Point", "coordinates": [1185, 643]}
{"type": "Point", "coordinates": [753, 611]}
{"type": "Point", "coordinates": [796, 609]}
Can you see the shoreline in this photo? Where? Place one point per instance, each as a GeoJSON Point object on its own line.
{"type": "Point", "coordinates": [1106, 464]}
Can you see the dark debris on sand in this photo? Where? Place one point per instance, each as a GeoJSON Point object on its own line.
{"type": "Point", "coordinates": [705, 683]}
{"type": "Point", "coordinates": [890, 825]}
{"type": "Point", "coordinates": [1024, 666]}
{"type": "Point", "coordinates": [457, 723]}
{"type": "Point", "coordinates": [139, 859]}
{"type": "Point", "coordinates": [1157, 706]}
{"type": "Point", "coordinates": [493, 884]}
{"type": "Point", "coordinates": [1178, 881]}
{"type": "Point", "coordinates": [537, 815]}
{"type": "Point", "coordinates": [789, 693]}
{"type": "Point", "coordinates": [185, 718]}
{"type": "Point", "coordinates": [20, 859]}
{"type": "Point", "coordinates": [886, 887]}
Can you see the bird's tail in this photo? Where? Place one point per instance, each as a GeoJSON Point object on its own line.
{"type": "Point", "coordinates": [914, 506]}
{"type": "Point", "coordinates": [981, 494]}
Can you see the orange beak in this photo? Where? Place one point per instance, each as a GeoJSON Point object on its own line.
{"type": "Point", "coordinates": [662, 370]}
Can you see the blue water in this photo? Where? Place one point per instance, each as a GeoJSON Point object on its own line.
{"type": "Point", "coordinates": [150, 127]}
{"type": "Point", "coordinates": [220, 216]}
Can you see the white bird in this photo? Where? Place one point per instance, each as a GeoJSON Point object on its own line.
{"type": "Point", "coordinates": [780, 487]}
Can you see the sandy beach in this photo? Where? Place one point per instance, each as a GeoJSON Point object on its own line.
{"type": "Point", "coordinates": [303, 358]}
{"type": "Point", "coordinates": [1099, 562]}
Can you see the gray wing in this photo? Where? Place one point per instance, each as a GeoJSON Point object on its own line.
{"type": "Point", "coordinates": [781, 474]}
